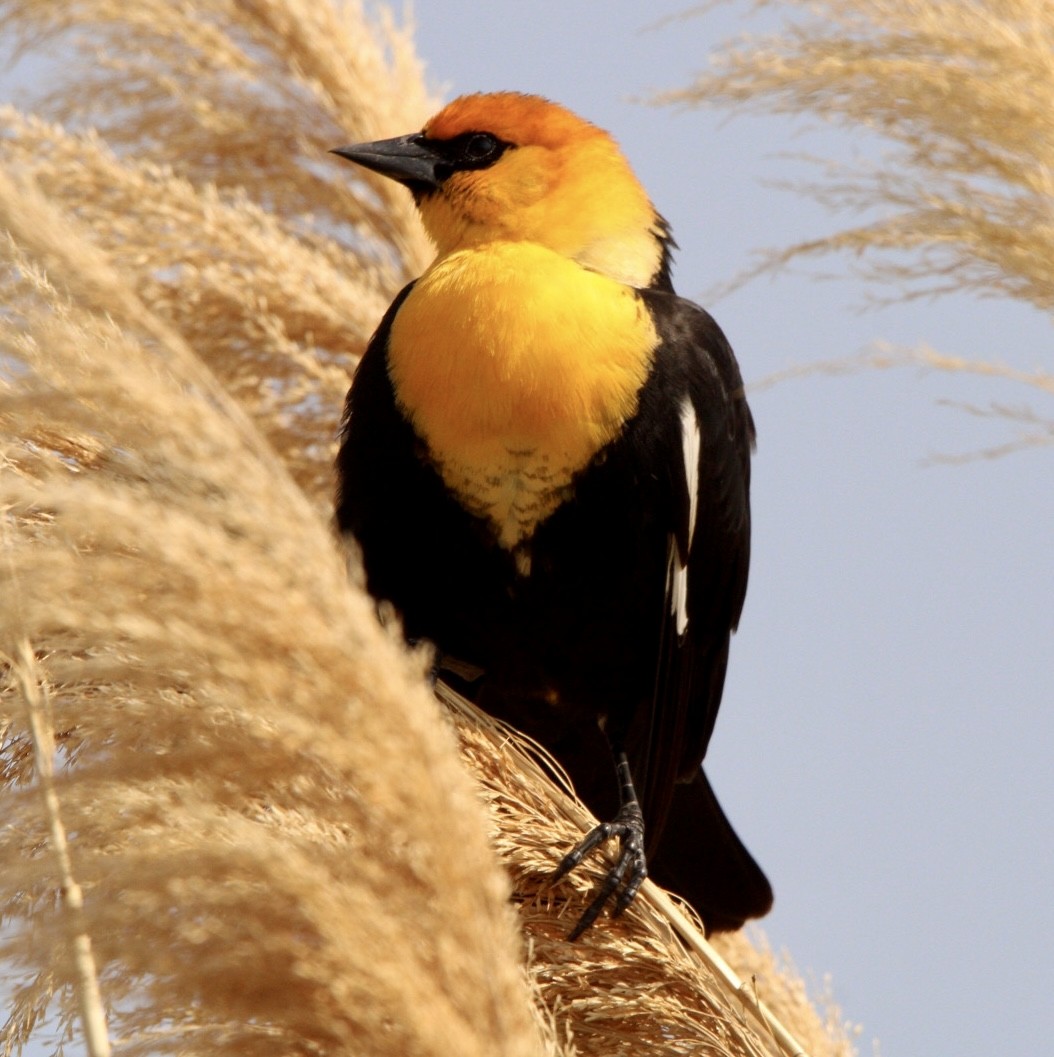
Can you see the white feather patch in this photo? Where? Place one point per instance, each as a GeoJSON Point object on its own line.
{"type": "Point", "coordinates": [679, 591]}
{"type": "Point", "coordinates": [690, 445]}
{"type": "Point", "coordinates": [677, 584]}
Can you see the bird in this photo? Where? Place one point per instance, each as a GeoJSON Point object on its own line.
{"type": "Point", "coordinates": [544, 463]}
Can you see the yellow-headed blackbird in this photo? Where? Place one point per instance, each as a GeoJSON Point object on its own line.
{"type": "Point", "coordinates": [545, 461]}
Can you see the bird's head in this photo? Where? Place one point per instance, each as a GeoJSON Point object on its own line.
{"type": "Point", "coordinates": [511, 167]}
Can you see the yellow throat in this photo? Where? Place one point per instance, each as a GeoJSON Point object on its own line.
{"type": "Point", "coordinates": [516, 365]}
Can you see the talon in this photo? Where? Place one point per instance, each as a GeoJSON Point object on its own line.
{"type": "Point", "coordinates": [605, 831]}
{"type": "Point", "coordinates": [628, 826]}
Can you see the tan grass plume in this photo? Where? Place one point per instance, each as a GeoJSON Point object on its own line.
{"type": "Point", "coordinates": [193, 145]}
{"type": "Point", "coordinates": [259, 773]}
{"type": "Point", "coordinates": [963, 93]}
{"type": "Point", "coordinates": [277, 848]}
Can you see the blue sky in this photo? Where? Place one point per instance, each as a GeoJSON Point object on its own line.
{"type": "Point", "coordinates": [884, 744]}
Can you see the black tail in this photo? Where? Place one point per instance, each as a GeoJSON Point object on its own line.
{"type": "Point", "coordinates": [701, 859]}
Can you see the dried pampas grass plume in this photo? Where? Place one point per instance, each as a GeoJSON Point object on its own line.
{"type": "Point", "coordinates": [204, 178]}
{"type": "Point", "coordinates": [264, 799]}
{"type": "Point", "coordinates": [278, 849]}
{"type": "Point", "coordinates": [964, 92]}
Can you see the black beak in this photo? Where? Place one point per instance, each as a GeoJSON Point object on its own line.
{"type": "Point", "coordinates": [407, 159]}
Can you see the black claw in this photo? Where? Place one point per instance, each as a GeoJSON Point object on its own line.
{"type": "Point", "coordinates": [628, 826]}
{"type": "Point", "coordinates": [604, 832]}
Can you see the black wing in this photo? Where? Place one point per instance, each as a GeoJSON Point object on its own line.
{"type": "Point", "coordinates": [371, 430]}
{"type": "Point", "coordinates": [706, 449]}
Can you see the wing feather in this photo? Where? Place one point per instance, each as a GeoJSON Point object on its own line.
{"type": "Point", "coordinates": [706, 453]}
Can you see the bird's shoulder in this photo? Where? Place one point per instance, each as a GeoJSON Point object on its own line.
{"type": "Point", "coordinates": [694, 356]}
{"type": "Point", "coordinates": [373, 433]}
{"type": "Point", "coordinates": [694, 420]}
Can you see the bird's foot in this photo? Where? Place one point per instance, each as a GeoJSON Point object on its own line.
{"type": "Point", "coordinates": [628, 872]}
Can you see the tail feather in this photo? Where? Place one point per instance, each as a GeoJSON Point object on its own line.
{"type": "Point", "coordinates": [701, 859]}
{"type": "Point", "coordinates": [696, 853]}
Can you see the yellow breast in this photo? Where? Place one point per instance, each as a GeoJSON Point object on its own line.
{"type": "Point", "coordinates": [516, 365]}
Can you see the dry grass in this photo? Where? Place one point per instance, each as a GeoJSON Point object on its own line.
{"type": "Point", "coordinates": [278, 849]}
{"type": "Point", "coordinates": [264, 799]}
{"type": "Point", "coordinates": [638, 985]}
{"type": "Point", "coordinates": [962, 91]}
{"type": "Point", "coordinates": [203, 175]}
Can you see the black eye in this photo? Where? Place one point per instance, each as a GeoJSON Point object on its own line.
{"type": "Point", "coordinates": [469, 150]}
{"type": "Point", "coordinates": [481, 147]}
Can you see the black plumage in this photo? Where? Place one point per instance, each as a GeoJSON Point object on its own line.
{"type": "Point", "coordinates": [591, 633]}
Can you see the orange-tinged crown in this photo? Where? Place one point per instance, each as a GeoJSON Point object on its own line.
{"type": "Point", "coordinates": [514, 117]}
{"type": "Point", "coordinates": [562, 183]}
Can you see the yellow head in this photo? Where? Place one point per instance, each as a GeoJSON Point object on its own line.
{"type": "Point", "coordinates": [510, 167]}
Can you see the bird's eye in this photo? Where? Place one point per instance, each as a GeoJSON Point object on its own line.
{"type": "Point", "coordinates": [481, 147]}
{"type": "Point", "coordinates": [469, 150]}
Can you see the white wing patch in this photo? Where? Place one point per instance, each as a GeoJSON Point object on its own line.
{"type": "Point", "coordinates": [690, 445]}
{"type": "Point", "coordinates": [679, 590]}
